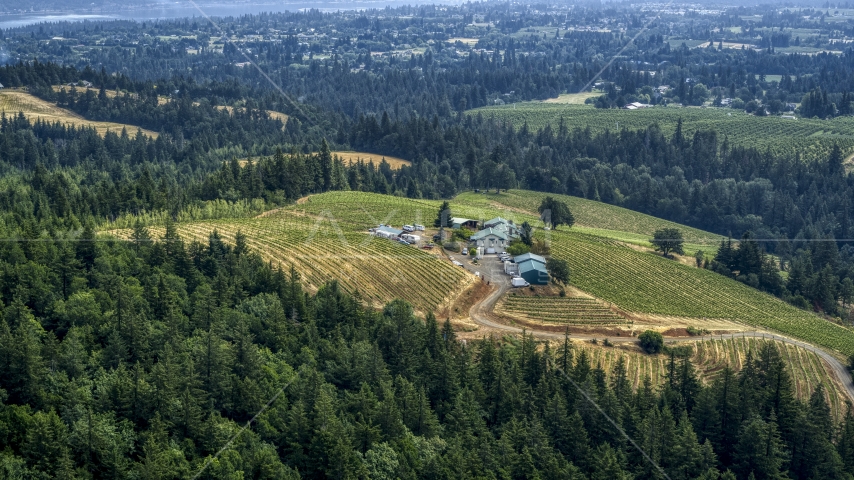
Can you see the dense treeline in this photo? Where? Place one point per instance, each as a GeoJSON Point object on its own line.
{"type": "Point", "coordinates": [142, 359]}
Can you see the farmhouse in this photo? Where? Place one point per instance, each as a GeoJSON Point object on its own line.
{"type": "Point", "coordinates": [503, 225]}
{"type": "Point", "coordinates": [488, 239]}
{"type": "Point", "coordinates": [533, 269]}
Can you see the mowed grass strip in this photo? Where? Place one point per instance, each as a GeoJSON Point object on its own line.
{"type": "Point", "coordinates": [14, 101]}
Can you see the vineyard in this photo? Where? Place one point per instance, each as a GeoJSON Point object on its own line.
{"type": "Point", "coordinates": [330, 245]}
{"type": "Point", "coordinates": [325, 237]}
{"type": "Point", "coordinates": [643, 282]}
{"type": "Point", "coordinates": [810, 138]}
{"type": "Point", "coordinates": [560, 310]}
{"type": "Point", "coordinates": [14, 101]}
{"type": "Point", "coordinates": [587, 213]}
{"type": "Point", "coordinates": [805, 368]}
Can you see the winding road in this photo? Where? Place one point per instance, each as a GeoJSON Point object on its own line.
{"type": "Point", "coordinates": [482, 313]}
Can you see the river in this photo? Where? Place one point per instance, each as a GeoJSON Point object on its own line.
{"type": "Point", "coordinates": [186, 10]}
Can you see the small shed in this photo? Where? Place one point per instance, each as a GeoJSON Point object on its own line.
{"type": "Point", "coordinates": [489, 239]}
{"type": "Point", "coordinates": [1, 86]}
{"type": "Point", "coordinates": [458, 222]}
{"type": "Point", "coordinates": [534, 272]}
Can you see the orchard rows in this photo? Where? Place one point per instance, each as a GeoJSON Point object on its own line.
{"type": "Point", "coordinates": [811, 138]}
{"type": "Point", "coordinates": [647, 283]}
{"type": "Point", "coordinates": [380, 270]}
{"type": "Point", "coordinates": [563, 310]}
{"type": "Point", "coordinates": [806, 368]}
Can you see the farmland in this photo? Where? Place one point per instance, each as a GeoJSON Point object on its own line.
{"type": "Point", "coordinates": [595, 218]}
{"type": "Point", "coordinates": [560, 310]}
{"type": "Point", "coordinates": [644, 282]}
{"type": "Point", "coordinates": [808, 138]}
{"type": "Point", "coordinates": [14, 101]}
{"type": "Point", "coordinates": [325, 237]}
{"type": "Point", "coordinates": [326, 242]}
{"type": "Point", "coordinates": [709, 357]}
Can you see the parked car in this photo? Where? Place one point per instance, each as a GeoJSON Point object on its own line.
{"type": "Point", "coordinates": [465, 251]}
{"type": "Point", "coordinates": [403, 242]}
{"type": "Point", "coordinates": [418, 227]}
{"type": "Point", "coordinates": [457, 263]}
{"type": "Point", "coordinates": [437, 237]}
{"type": "Point", "coordinates": [408, 228]}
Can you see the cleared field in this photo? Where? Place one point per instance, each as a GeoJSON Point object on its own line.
{"type": "Point", "coordinates": [573, 98]}
{"type": "Point", "coordinates": [467, 41]}
{"type": "Point", "coordinates": [14, 101]}
{"type": "Point", "coordinates": [811, 138]}
{"type": "Point", "coordinates": [354, 157]}
{"type": "Point", "coordinates": [709, 357]}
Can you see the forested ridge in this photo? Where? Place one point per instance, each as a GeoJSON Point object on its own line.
{"type": "Point", "coordinates": [142, 359]}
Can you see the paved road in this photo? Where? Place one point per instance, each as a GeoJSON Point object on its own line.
{"type": "Point", "coordinates": [492, 271]}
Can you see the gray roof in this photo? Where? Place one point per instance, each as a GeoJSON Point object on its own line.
{"type": "Point", "coordinates": [532, 265]}
{"type": "Point", "coordinates": [495, 221]}
{"type": "Point", "coordinates": [390, 230]}
{"type": "Point", "coordinates": [487, 232]}
{"type": "Point", "coordinates": [458, 220]}
{"type": "Point", "coordinates": [529, 256]}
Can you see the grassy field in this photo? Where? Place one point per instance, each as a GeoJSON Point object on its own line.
{"type": "Point", "coordinates": [325, 236]}
{"type": "Point", "coordinates": [811, 138]}
{"type": "Point", "coordinates": [353, 157]}
{"type": "Point", "coordinates": [806, 369]}
{"type": "Point", "coordinates": [14, 101]}
{"type": "Point", "coordinates": [573, 98]}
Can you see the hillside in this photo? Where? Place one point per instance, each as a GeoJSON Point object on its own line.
{"type": "Point", "coordinates": [14, 101]}
{"type": "Point", "coordinates": [325, 237]}
{"type": "Point", "coordinates": [809, 138]}
{"type": "Point", "coordinates": [595, 218]}
{"type": "Point", "coordinates": [710, 357]}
